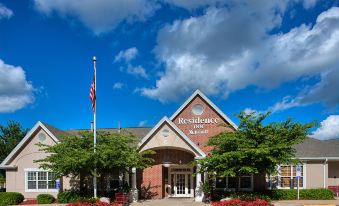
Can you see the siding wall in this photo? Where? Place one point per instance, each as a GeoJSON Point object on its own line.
{"type": "Point", "coordinates": [315, 174]}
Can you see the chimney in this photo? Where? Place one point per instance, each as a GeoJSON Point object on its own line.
{"type": "Point", "coordinates": [92, 126]}
{"type": "Point", "coordinates": [119, 129]}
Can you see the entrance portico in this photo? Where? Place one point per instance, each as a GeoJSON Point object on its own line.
{"type": "Point", "coordinates": [172, 172]}
{"type": "Point", "coordinates": [179, 142]}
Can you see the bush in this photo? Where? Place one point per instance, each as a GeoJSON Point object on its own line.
{"type": "Point", "coordinates": [45, 199]}
{"type": "Point", "coordinates": [68, 197]}
{"type": "Point", "coordinates": [278, 194]}
{"type": "Point", "coordinates": [305, 194]}
{"type": "Point", "coordinates": [238, 202]}
{"type": "Point", "coordinates": [10, 198]}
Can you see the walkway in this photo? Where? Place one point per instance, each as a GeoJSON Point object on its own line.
{"type": "Point", "coordinates": [305, 202]}
{"type": "Point", "coordinates": [170, 202]}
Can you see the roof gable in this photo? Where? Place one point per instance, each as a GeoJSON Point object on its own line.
{"type": "Point", "coordinates": [209, 102]}
{"type": "Point", "coordinates": [167, 121]}
{"type": "Point", "coordinates": [21, 144]}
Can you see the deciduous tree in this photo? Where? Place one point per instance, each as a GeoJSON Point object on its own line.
{"type": "Point", "coordinates": [254, 148]}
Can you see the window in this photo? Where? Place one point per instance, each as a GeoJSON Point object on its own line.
{"type": "Point", "coordinates": [287, 177]}
{"type": "Point", "coordinates": [40, 180]}
{"type": "Point", "coordinates": [244, 183]}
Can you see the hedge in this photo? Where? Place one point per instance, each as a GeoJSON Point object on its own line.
{"type": "Point", "coordinates": [10, 198]}
{"type": "Point", "coordinates": [278, 194]}
{"type": "Point", "coordinates": [68, 197]}
{"type": "Point", "coordinates": [45, 199]}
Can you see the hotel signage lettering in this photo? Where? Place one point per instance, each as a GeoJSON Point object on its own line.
{"type": "Point", "coordinates": [197, 124]}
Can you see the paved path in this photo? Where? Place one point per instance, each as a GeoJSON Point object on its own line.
{"type": "Point", "coordinates": [305, 202]}
{"type": "Point", "coordinates": [170, 202]}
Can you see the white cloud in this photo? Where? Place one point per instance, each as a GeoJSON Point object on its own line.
{"type": "Point", "coordinates": [249, 111]}
{"type": "Point", "coordinates": [5, 13]}
{"type": "Point", "coordinates": [100, 15]}
{"type": "Point", "coordinates": [189, 4]}
{"type": "Point", "coordinates": [137, 71]}
{"type": "Point", "coordinates": [15, 91]}
{"type": "Point", "coordinates": [127, 55]}
{"type": "Point", "coordinates": [329, 128]}
{"type": "Point", "coordinates": [228, 49]}
{"type": "Point", "coordinates": [142, 123]}
{"type": "Point", "coordinates": [118, 85]}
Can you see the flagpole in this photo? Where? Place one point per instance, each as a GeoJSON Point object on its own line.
{"type": "Point", "coordinates": [95, 122]}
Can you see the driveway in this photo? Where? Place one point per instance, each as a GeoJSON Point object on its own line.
{"type": "Point", "coordinates": [170, 202]}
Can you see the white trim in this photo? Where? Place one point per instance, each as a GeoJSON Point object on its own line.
{"type": "Point", "coordinates": [292, 177]}
{"type": "Point", "coordinates": [25, 139]}
{"type": "Point", "coordinates": [324, 173]}
{"type": "Point", "coordinates": [26, 170]}
{"type": "Point", "coordinates": [198, 92]}
{"type": "Point", "coordinates": [160, 123]}
{"type": "Point", "coordinates": [317, 158]}
{"type": "Point", "coordinates": [304, 174]}
{"type": "Point", "coordinates": [5, 167]}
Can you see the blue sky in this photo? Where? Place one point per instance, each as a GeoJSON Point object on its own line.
{"type": "Point", "coordinates": [279, 56]}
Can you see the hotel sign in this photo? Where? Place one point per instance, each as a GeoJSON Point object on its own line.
{"type": "Point", "coordinates": [197, 123]}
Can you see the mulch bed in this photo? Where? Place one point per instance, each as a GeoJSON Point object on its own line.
{"type": "Point", "coordinates": [29, 202]}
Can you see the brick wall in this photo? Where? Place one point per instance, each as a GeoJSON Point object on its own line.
{"type": "Point", "coordinates": [201, 140]}
{"type": "Point", "coordinates": [153, 180]}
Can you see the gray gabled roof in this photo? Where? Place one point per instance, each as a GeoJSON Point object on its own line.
{"type": "Point", "coordinates": [55, 131]}
{"type": "Point", "coordinates": [317, 148]}
{"type": "Point", "coordinates": [138, 132]}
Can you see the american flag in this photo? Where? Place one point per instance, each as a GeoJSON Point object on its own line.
{"type": "Point", "coordinates": [92, 94]}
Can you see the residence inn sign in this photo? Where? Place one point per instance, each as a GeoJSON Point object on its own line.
{"type": "Point", "coordinates": [197, 124]}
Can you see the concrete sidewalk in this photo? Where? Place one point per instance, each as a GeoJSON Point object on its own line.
{"type": "Point", "coordinates": [305, 202]}
{"type": "Point", "coordinates": [170, 202]}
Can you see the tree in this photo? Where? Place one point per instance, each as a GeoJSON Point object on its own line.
{"type": "Point", "coordinates": [254, 148]}
{"type": "Point", "coordinates": [73, 155]}
{"type": "Point", "coordinates": [10, 136]}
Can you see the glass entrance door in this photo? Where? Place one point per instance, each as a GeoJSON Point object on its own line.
{"type": "Point", "coordinates": [181, 184]}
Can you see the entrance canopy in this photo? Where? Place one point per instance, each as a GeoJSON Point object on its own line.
{"type": "Point", "coordinates": [167, 135]}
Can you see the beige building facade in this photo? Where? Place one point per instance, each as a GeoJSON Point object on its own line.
{"type": "Point", "coordinates": [178, 141]}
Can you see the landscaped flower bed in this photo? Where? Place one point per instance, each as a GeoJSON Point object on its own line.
{"type": "Point", "coordinates": [238, 202]}
{"type": "Point", "coordinates": [92, 204]}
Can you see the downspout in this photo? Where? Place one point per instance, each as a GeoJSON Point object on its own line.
{"type": "Point", "coordinates": [324, 185]}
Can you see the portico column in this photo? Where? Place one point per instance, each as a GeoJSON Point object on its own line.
{"type": "Point", "coordinates": [134, 190]}
{"type": "Point", "coordinates": [127, 177]}
{"type": "Point", "coordinates": [198, 189]}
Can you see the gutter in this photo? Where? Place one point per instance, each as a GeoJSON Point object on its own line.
{"type": "Point", "coordinates": [318, 158]}
{"type": "Point", "coordinates": [8, 167]}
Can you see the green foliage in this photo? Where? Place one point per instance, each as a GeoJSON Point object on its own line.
{"type": "Point", "coordinates": [254, 148]}
{"type": "Point", "coordinates": [45, 199]}
{"type": "Point", "coordinates": [10, 198]}
{"type": "Point", "coordinates": [278, 194]}
{"type": "Point", "coordinates": [67, 197]}
{"type": "Point", "coordinates": [206, 188]}
{"type": "Point", "coordinates": [10, 136]}
{"type": "Point", "coordinates": [74, 154]}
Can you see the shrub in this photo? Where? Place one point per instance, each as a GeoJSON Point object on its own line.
{"type": "Point", "coordinates": [305, 194]}
{"type": "Point", "coordinates": [238, 202]}
{"type": "Point", "coordinates": [278, 194]}
{"type": "Point", "coordinates": [45, 199]}
{"type": "Point", "coordinates": [67, 197]}
{"type": "Point", "coordinates": [10, 198]}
